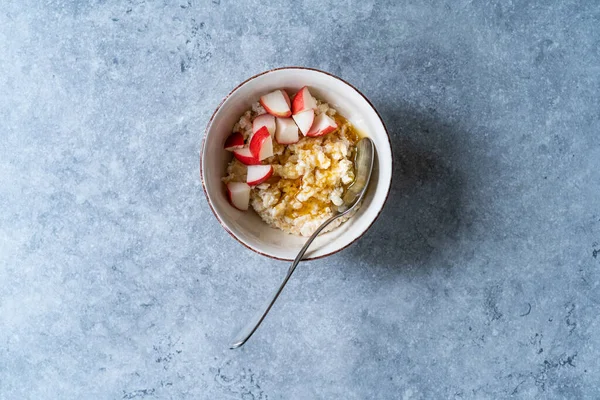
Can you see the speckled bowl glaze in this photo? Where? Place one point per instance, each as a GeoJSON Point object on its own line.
{"type": "Point", "coordinates": [247, 227]}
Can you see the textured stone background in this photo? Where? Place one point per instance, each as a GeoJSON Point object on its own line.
{"type": "Point", "coordinates": [480, 281]}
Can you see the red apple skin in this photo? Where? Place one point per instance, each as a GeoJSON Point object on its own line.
{"type": "Point", "coordinates": [246, 158]}
{"type": "Point", "coordinates": [322, 132]}
{"type": "Point", "coordinates": [263, 179]}
{"type": "Point", "coordinates": [234, 141]}
{"type": "Point", "coordinates": [257, 140]}
{"type": "Point", "coordinates": [322, 125]}
{"type": "Point", "coordinates": [275, 113]}
{"type": "Point", "coordinates": [300, 102]}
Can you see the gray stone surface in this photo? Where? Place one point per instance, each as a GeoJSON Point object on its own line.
{"type": "Point", "coordinates": [481, 280]}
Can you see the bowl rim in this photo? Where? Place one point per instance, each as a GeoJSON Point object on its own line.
{"type": "Point", "coordinates": [204, 142]}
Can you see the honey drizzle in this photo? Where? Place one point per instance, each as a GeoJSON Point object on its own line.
{"type": "Point", "coordinates": [290, 188]}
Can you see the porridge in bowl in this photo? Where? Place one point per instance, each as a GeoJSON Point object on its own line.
{"type": "Point", "coordinates": [293, 161]}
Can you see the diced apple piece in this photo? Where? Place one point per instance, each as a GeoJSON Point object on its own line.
{"type": "Point", "coordinates": [261, 144]}
{"type": "Point", "coordinates": [303, 101]}
{"type": "Point", "coordinates": [277, 103]}
{"type": "Point", "coordinates": [245, 156]}
{"type": "Point", "coordinates": [287, 99]}
{"type": "Point", "coordinates": [264, 120]}
{"type": "Point", "coordinates": [322, 125]}
{"type": "Point", "coordinates": [257, 174]}
{"type": "Point", "coordinates": [287, 131]}
{"type": "Point", "coordinates": [304, 120]}
{"type": "Point", "coordinates": [238, 194]}
{"type": "Point", "coordinates": [234, 141]}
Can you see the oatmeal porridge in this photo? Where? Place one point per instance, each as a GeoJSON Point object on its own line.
{"type": "Point", "coordinates": [295, 169]}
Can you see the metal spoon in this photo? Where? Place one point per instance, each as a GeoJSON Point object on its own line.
{"type": "Point", "coordinates": [363, 163]}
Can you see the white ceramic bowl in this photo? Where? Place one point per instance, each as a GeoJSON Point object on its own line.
{"type": "Point", "coordinates": [247, 227]}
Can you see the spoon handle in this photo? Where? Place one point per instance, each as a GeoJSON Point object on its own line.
{"type": "Point", "coordinates": [247, 331]}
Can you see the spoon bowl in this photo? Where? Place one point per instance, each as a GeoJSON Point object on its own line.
{"type": "Point", "coordinates": [363, 162]}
